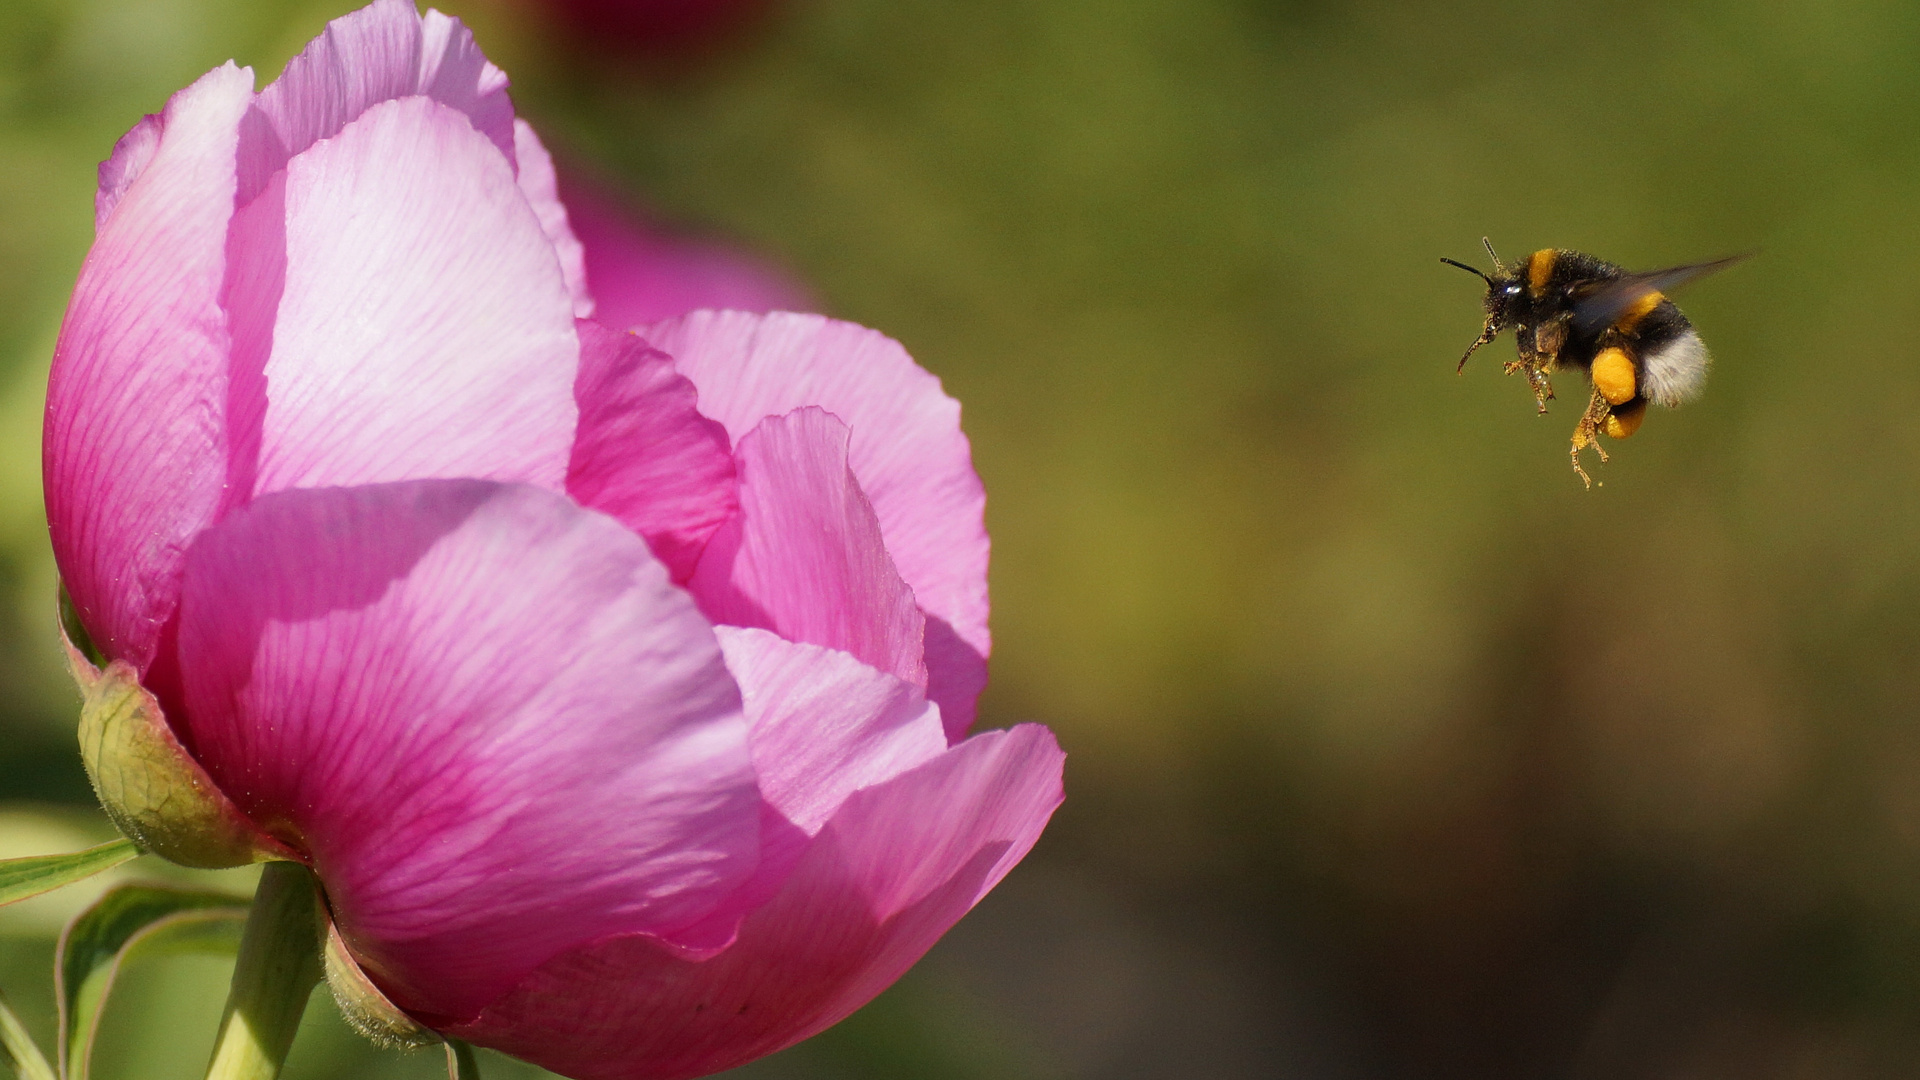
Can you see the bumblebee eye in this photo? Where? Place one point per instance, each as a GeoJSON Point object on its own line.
{"type": "Point", "coordinates": [1513, 290]}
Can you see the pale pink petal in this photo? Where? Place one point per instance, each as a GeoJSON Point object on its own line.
{"type": "Point", "coordinates": [539, 184]}
{"type": "Point", "coordinates": [495, 726]}
{"type": "Point", "coordinates": [641, 274]}
{"type": "Point", "coordinates": [897, 866]}
{"type": "Point", "coordinates": [824, 724]}
{"type": "Point", "coordinates": [454, 72]}
{"type": "Point", "coordinates": [425, 329]}
{"type": "Point", "coordinates": [805, 558]}
{"type": "Point", "coordinates": [907, 450]}
{"type": "Point", "coordinates": [128, 160]}
{"type": "Point", "coordinates": [381, 52]}
{"type": "Point", "coordinates": [256, 279]}
{"type": "Point", "coordinates": [135, 442]}
{"type": "Point", "coordinates": [643, 452]}
{"type": "Point", "coordinates": [956, 674]}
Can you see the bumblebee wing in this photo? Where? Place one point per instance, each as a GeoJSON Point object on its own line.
{"type": "Point", "coordinates": [1599, 308]}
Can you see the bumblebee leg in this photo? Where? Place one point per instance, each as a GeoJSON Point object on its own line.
{"type": "Point", "coordinates": [1487, 334]}
{"type": "Point", "coordinates": [1592, 423]}
{"type": "Point", "coordinates": [1534, 364]}
{"type": "Point", "coordinates": [1542, 388]}
{"type": "Point", "coordinates": [1548, 340]}
{"type": "Point", "coordinates": [1584, 478]}
{"type": "Point", "coordinates": [1587, 433]}
{"type": "Point", "coordinates": [1581, 440]}
{"type": "Point", "coordinates": [1525, 357]}
{"type": "Point", "coordinates": [1537, 380]}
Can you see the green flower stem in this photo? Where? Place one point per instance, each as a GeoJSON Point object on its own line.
{"type": "Point", "coordinates": [460, 1061]}
{"type": "Point", "coordinates": [278, 968]}
{"type": "Point", "coordinates": [20, 1050]}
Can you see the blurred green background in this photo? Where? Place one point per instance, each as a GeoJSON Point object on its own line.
{"type": "Point", "coordinates": [1394, 753]}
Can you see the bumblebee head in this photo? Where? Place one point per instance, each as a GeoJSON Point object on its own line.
{"type": "Point", "coordinates": [1506, 302]}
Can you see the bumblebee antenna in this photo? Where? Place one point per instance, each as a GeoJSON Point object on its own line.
{"type": "Point", "coordinates": [1498, 266]}
{"type": "Point", "coordinates": [1469, 270]}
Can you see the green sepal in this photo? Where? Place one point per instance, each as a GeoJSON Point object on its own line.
{"type": "Point", "coordinates": [76, 631]}
{"type": "Point", "coordinates": [151, 788]}
{"type": "Point", "coordinates": [22, 1053]}
{"type": "Point", "coordinates": [365, 1009]}
{"type": "Point", "coordinates": [36, 874]}
{"type": "Point", "coordinates": [370, 1012]}
{"type": "Point", "coordinates": [143, 919]}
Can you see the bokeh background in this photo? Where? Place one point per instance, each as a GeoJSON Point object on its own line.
{"type": "Point", "coordinates": [1393, 752]}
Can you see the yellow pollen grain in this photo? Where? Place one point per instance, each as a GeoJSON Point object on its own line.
{"type": "Point", "coordinates": [1613, 375]}
{"type": "Point", "coordinates": [1625, 422]}
{"type": "Point", "coordinates": [1539, 269]}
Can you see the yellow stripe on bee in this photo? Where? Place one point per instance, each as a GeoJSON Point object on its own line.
{"type": "Point", "coordinates": [1641, 308]}
{"type": "Point", "coordinates": [1627, 421]}
{"type": "Point", "coordinates": [1539, 269]}
{"type": "Point", "coordinates": [1613, 375]}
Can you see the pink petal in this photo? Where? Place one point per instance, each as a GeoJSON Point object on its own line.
{"type": "Point", "coordinates": [956, 672]}
{"type": "Point", "coordinates": [824, 724]}
{"type": "Point", "coordinates": [897, 866]}
{"type": "Point", "coordinates": [383, 51]}
{"type": "Point", "coordinates": [487, 716]}
{"type": "Point", "coordinates": [539, 184]}
{"type": "Point", "coordinates": [908, 452]}
{"type": "Point", "coordinates": [425, 328]}
{"type": "Point", "coordinates": [643, 452]}
{"type": "Point", "coordinates": [135, 451]}
{"type": "Point", "coordinates": [255, 283]}
{"type": "Point", "coordinates": [804, 558]}
{"type": "Point", "coordinates": [129, 159]}
{"type": "Point", "coordinates": [639, 274]}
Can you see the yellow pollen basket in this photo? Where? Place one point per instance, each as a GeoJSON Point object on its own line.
{"type": "Point", "coordinates": [1625, 422]}
{"type": "Point", "coordinates": [1613, 376]}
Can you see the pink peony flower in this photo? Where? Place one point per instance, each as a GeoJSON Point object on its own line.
{"type": "Point", "coordinates": [615, 686]}
{"type": "Point", "coordinates": [640, 274]}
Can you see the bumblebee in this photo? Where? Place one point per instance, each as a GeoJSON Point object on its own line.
{"type": "Point", "coordinates": [1567, 309]}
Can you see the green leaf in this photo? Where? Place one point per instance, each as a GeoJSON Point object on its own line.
{"type": "Point", "coordinates": [23, 1056]}
{"type": "Point", "coordinates": [144, 919]}
{"type": "Point", "coordinates": [461, 1064]}
{"type": "Point", "coordinates": [31, 876]}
